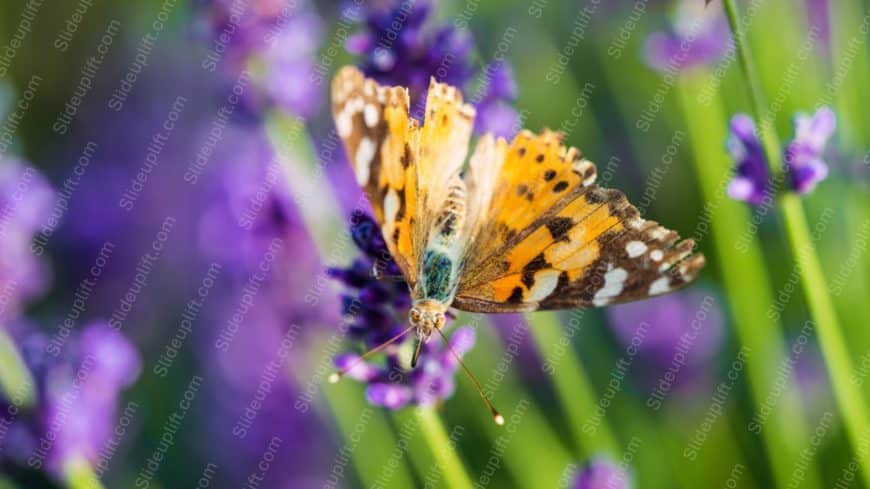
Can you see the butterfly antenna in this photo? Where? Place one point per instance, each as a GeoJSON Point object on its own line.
{"type": "Point", "coordinates": [496, 416]}
{"type": "Point", "coordinates": [336, 376]}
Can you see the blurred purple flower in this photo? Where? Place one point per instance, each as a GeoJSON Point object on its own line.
{"type": "Point", "coordinates": [379, 311]}
{"type": "Point", "coordinates": [397, 49]}
{"type": "Point", "coordinates": [77, 397]}
{"type": "Point", "coordinates": [751, 183]}
{"type": "Point", "coordinates": [276, 41]}
{"type": "Point", "coordinates": [803, 155]}
{"type": "Point", "coordinates": [697, 36]}
{"type": "Point", "coordinates": [25, 201]}
{"type": "Point", "coordinates": [495, 113]}
{"type": "Point", "coordinates": [685, 333]}
{"type": "Point", "coordinates": [602, 473]}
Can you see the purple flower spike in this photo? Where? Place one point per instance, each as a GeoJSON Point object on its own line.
{"type": "Point", "coordinates": [79, 392]}
{"type": "Point", "coordinates": [697, 36]}
{"type": "Point", "coordinates": [752, 179]}
{"type": "Point", "coordinates": [397, 49]}
{"type": "Point", "coordinates": [25, 201]}
{"type": "Point", "coordinates": [602, 473]}
{"type": "Point", "coordinates": [803, 155]}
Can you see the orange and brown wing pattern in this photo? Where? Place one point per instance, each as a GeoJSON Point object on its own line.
{"type": "Point", "coordinates": [382, 143]}
{"type": "Point", "coordinates": [551, 239]}
{"type": "Point", "coordinates": [444, 140]}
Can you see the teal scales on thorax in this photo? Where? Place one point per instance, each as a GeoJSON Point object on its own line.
{"type": "Point", "coordinates": [439, 269]}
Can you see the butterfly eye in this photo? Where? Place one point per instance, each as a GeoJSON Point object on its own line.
{"type": "Point", "coordinates": [439, 321]}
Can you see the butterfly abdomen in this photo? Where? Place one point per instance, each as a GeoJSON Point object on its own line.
{"type": "Point", "coordinates": [451, 218]}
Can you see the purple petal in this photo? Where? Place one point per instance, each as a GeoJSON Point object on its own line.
{"type": "Point", "coordinates": [463, 340]}
{"type": "Point", "coordinates": [815, 130]}
{"type": "Point", "coordinates": [362, 371]}
{"type": "Point", "coordinates": [388, 395]}
{"type": "Point", "coordinates": [601, 473]}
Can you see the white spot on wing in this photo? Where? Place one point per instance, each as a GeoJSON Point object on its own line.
{"type": "Point", "coordinates": [391, 207]}
{"type": "Point", "coordinates": [658, 233]}
{"type": "Point", "coordinates": [371, 115]}
{"type": "Point", "coordinates": [656, 255]}
{"type": "Point", "coordinates": [545, 284]}
{"type": "Point", "coordinates": [635, 248]}
{"type": "Point", "coordinates": [365, 152]}
{"type": "Point", "coordinates": [613, 283]}
{"type": "Point", "coordinates": [660, 286]}
{"type": "Point", "coordinates": [343, 123]}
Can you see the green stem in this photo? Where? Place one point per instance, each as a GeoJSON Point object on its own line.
{"type": "Point", "coordinates": [15, 379]}
{"type": "Point", "coordinates": [833, 346]}
{"type": "Point", "coordinates": [785, 433]}
{"type": "Point", "coordinates": [445, 454]}
{"type": "Point", "coordinates": [575, 392]}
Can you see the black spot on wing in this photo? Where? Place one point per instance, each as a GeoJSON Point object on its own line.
{"type": "Point", "coordinates": [538, 263]}
{"type": "Point", "coordinates": [406, 156]}
{"type": "Point", "coordinates": [558, 227]}
{"type": "Point", "coordinates": [560, 186]}
{"type": "Point", "coordinates": [400, 214]}
{"type": "Point", "coordinates": [516, 296]}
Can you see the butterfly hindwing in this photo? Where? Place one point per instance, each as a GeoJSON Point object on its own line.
{"type": "Point", "coordinates": [570, 244]}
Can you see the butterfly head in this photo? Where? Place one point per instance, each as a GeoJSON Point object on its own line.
{"type": "Point", "coordinates": [427, 316]}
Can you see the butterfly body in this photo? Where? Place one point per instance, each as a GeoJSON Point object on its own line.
{"type": "Point", "coordinates": [522, 228]}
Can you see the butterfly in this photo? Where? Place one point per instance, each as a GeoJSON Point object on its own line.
{"type": "Point", "coordinates": [521, 227]}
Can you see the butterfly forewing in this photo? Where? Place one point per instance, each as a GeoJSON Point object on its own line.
{"type": "Point", "coordinates": [382, 145]}
{"type": "Point", "coordinates": [571, 244]}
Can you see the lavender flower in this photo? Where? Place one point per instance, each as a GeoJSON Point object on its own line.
{"type": "Point", "coordinates": [751, 182]}
{"type": "Point", "coordinates": [379, 310]}
{"type": "Point", "coordinates": [685, 331]}
{"type": "Point", "coordinates": [697, 36]}
{"type": "Point", "coordinates": [25, 200]}
{"type": "Point", "coordinates": [602, 473]}
{"type": "Point", "coordinates": [803, 155]}
{"type": "Point", "coordinates": [430, 382]}
{"type": "Point", "coordinates": [397, 49]}
{"type": "Point", "coordinates": [78, 393]}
